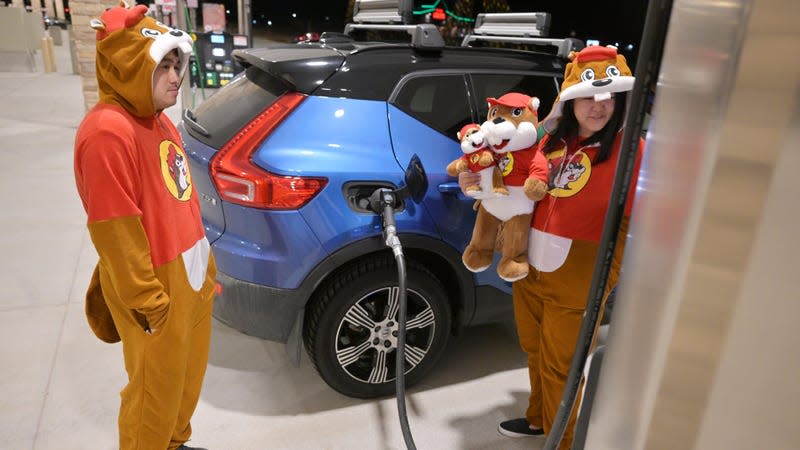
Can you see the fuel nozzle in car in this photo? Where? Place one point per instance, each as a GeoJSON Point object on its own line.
{"type": "Point", "coordinates": [383, 201]}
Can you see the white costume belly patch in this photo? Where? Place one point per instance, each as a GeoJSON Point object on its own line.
{"type": "Point", "coordinates": [195, 260]}
{"type": "Point", "coordinates": [507, 206]}
{"type": "Point", "coordinates": [547, 252]}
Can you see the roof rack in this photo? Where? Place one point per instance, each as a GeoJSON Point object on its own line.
{"type": "Point", "coordinates": [533, 24]}
{"type": "Point", "coordinates": [519, 28]}
{"type": "Point", "coordinates": [393, 15]}
{"type": "Point", "coordinates": [382, 11]}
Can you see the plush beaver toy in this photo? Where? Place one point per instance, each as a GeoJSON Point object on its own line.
{"type": "Point", "coordinates": [477, 158]}
{"type": "Point", "coordinates": [510, 130]}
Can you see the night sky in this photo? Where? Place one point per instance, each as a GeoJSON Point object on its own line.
{"type": "Point", "coordinates": [609, 20]}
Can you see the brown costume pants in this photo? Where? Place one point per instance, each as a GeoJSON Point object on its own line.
{"type": "Point", "coordinates": [548, 311]}
{"type": "Point", "coordinates": [165, 369]}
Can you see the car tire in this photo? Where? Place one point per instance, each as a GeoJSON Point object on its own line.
{"type": "Point", "coordinates": [351, 339]}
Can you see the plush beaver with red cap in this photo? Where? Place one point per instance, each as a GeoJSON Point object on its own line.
{"type": "Point", "coordinates": [477, 158]}
{"type": "Point", "coordinates": [511, 132]}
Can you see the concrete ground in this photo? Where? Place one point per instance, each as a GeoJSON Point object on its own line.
{"type": "Point", "coordinates": [60, 385]}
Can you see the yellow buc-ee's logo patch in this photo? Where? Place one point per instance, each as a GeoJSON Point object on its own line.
{"type": "Point", "coordinates": [568, 175]}
{"type": "Point", "coordinates": [175, 170]}
{"type": "Point", "coordinates": [506, 163]}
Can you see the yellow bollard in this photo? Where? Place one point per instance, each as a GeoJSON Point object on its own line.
{"type": "Point", "coordinates": [48, 54]}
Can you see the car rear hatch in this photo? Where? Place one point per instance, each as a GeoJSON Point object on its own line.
{"type": "Point", "coordinates": [269, 74]}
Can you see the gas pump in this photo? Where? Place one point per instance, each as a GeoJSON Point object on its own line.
{"type": "Point", "coordinates": [216, 66]}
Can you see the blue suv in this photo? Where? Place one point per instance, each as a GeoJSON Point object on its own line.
{"type": "Point", "coordinates": [284, 159]}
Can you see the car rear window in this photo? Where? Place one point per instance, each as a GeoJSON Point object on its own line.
{"type": "Point", "coordinates": [233, 106]}
{"type": "Point", "coordinates": [495, 85]}
{"type": "Point", "coordinates": [439, 101]}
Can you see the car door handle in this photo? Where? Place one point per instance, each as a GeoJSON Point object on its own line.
{"type": "Point", "coordinates": [449, 188]}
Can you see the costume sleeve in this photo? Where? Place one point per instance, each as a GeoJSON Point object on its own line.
{"type": "Point", "coordinates": [125, 255]}
{"type": "Point", "coordinates": [538, 167]}
{"type": "Point", "coordinates": [108, 178]}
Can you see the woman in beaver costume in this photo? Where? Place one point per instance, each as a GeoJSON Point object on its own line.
{"type": "Point", "coordinates": [580, 151]}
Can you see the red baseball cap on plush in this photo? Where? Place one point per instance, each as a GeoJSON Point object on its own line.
{"type": "Point", "coordinates": [468, 127]}
{"type": "Point", "coordinates": [512, 100]}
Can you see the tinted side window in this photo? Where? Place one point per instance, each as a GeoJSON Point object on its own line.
{"type": "Point", "coordinates": [235, 105]}
{"type": "Point", "coordinates": [495, 85]}
{"type": "Point", "coordinates": [440, 101]}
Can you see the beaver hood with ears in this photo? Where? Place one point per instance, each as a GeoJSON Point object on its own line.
{"type": "Point", "coordinates": [596, 72]}
{"type": "Point", "coordinates": [130, 45]}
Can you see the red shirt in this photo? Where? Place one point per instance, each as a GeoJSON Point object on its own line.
{"type": "Point", "coordinates": [132, 166]}
{"type": "Point", "coordinates": [516, 165]}
{"type": "Point", "coordinates": [473, 159]}
{"type": "Point", "coordinates": [579, 191]}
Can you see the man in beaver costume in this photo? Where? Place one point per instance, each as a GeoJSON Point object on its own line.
{"type": "Point", "coordinates": [153, 286]}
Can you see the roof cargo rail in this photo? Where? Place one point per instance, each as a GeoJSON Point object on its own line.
{"type": "Point", "coordinates": [535, 24]}
{"type": "Point", "coordinates": [393, 15]}
{"type": "Point", "coordinates": [519, 28]}
{"type": "Point", "coordinates": [382, 11]}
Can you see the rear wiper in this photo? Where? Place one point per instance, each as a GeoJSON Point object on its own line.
{"type": "Point", "coordinates": [191, 119]}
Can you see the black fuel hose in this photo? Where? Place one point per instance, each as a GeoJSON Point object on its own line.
{"type": "Point", "coordinates": [649, 60]}
{"type": "Point", "coordinates": [400, 388]}
{"type": "Point", "coordinates": [384, 201]}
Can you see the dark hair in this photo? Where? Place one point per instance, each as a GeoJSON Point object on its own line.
{"type": "Point", "coordinates": [568, 127]}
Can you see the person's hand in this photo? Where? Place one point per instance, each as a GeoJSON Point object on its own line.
{"type": "Point", "coordinates": [468, 179]}
{"type": "Point", "coordinates": [156, 319]}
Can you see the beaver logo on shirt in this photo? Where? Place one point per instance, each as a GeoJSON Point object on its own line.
{"type": "Point", "coordinates": [175, 170]}
{"type": "Point", "coordinates": [506, 163]}
{"type": "Point", "coordinates": [567, 177]}
{"type": "Point", "coordinates": [572, 172]}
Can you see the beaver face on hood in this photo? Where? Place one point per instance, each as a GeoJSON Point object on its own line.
{"type": "Point", "coordinates": [129, 47]}
{"type": "Point", "coordinates": [596, 72]}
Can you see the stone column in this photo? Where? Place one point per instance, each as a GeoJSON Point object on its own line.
{"type": "Point", "coordinates": [36, 7]}
{"type": "Point", "coordinates": [82, 12]}
{"type": "Point", "coordinates": [60, 9]}
{"type": "Point", "coordinates": [49, 7]}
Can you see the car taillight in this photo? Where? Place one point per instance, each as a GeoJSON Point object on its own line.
{"type": "Point", "coordinates": [240, 181]}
